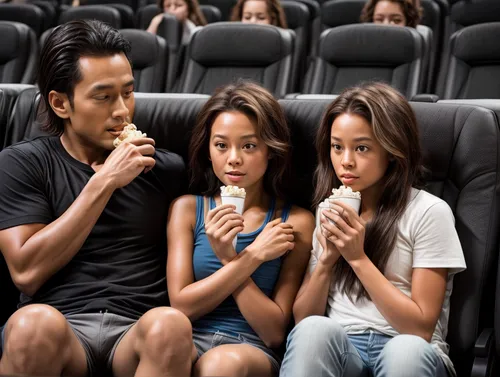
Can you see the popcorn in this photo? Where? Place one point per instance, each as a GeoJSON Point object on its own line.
{"type": "Point", "coordinates": [342, 194]}
{"type": "Point", "coordinates": [129, 132]}
{"type": "Point", "coordinates": [345, 192]}
{"type": "Point", "coordinates": [233, 191]}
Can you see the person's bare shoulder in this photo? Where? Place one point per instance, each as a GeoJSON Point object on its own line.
{"type": "Point", "coordinates": [183, 210]}
{"type": "Point", "coordinates": [303, 222]}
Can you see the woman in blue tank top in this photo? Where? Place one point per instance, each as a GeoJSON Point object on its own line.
{"type": "Point", "coordinates": [238, 298]}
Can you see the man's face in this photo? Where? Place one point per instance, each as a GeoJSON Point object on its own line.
{"type": "Point", "coordinates": [102, 101]}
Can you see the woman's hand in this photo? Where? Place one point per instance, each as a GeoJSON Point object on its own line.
{"type": "Point", "coordinates": [221, 226]}
{"type": "Point", "coordinates": [274, 241]}
{"type": "Point", "coordinates": [348, 233]}
{"type": "Point", "coordinates": [330, 254]}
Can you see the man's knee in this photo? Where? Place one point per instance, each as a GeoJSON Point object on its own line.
{"type": "Point", "coordinates": [166, 328]}
{"type": "Point", "coordinates": [35, 337]}
{"type": "Point", "coordinates": [35, 328]}
{"type": "Point", "coordinates": [407, 355]}
{"type": "Point", "coordinates": [220, 362]}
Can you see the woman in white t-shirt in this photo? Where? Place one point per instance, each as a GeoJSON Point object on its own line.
{"type": "Point", "coordinates": [187, 12]}
{"type": "Point", "coordinates": [376, 298]}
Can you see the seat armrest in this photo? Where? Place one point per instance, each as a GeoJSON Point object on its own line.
{"type": "Point", "coordinates": [484, 354]}
{"type": "Point", "coordinates": [425, 97]}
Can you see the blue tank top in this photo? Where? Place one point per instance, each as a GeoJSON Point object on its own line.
{"type": "Point", "coordinates": [227, 316]}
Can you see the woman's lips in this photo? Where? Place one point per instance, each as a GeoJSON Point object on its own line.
{"type": "Point", "coordinates": [235, 177]}
{"type": "Point", "coordinates": [349, 180]}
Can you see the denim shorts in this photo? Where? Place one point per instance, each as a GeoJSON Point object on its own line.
{"type": "Point", "coordinates": [205, 341]}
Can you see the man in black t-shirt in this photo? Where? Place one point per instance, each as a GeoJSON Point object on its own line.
{"type": "Point", "coordinates": [82, 224]}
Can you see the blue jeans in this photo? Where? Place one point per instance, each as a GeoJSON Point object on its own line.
{"type": "Point", "coordinates": [319, 347]}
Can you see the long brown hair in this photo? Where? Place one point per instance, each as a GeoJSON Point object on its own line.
{"type": "Point", "coordinates": [395, 127]}
{"type": "Point", "coordinates": [276, 13]}
{"type": "Point", "coordinates": [411, 10]}
{"type": "Point", "coordinates": [194, 12]}
{"type": "Point", "coordinates": [260, 106]}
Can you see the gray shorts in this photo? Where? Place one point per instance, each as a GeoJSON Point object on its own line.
{"type": "Point", "coordinates": [99, 334]}
{"type": "Point", "coordinates": [205, 341]}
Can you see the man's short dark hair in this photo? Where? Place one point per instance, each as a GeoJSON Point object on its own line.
{"type": "Point", "coordinates": [59, 68]}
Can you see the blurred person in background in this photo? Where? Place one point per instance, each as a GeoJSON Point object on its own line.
{"type": "Point", "coordinates": [393, 12]}
{"type": "Point", "coordinates": [265, 12]}
{"type": "Point", "coordinates": [187, 12]}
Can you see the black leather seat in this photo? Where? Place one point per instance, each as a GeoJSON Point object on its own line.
{"type": "Point", "coordinates": [145, 14]}
{"type": "Point", "coordinates": [211, 13]}
{"type": "Point", "coordinates": [96, 12]}
{"type": "Point", "coordinates": [436, 16]}
{"type": "Point", "coordinates": [472, 12]}
{"type": "Point", "coordinates": [19, 53]}
{"type": "Point", "coordinates": [469, 183]}
{"type": "Point", "coordinates": [350, 54]}
{"type": "Point", "coordinates": [127, 15]}
{"type": "Point", "coordinates": [19, 103]}
{"type": "Point", "coordinates": [9, 95]}
{"type": "Point", "coordinates": [450, 135]}
{"type": "Point", "coordinates": [492, 104]}
{"type": "Point", "coordinates": [297, 18]}
{"type": "Point", "coordinates": [171, 30]}
{"type": "Point", "coordinates": [429, 59]}
{"type": "Point", "coordinates": [25, 121]}
{"type": "Point", "coordinates": [149, 58]}
{"type": "Point", "coordinates": [4, 116]}
{"type": "Point", "coordinates": [132, 4]}
{"type": "Point", "coordinates": [314, 24]}
{"type": "Point", "coordinates": [464, 13]}
{"type": "Point", "coordinates": [49, 10]}
{"type": "Point", "coordinates": [474, 66]}
{"type": "Point", "coordinates": [435, 12]}
{"type": "Point", "coordinates": [225, 7]}
{"type": "Point", "coordinates": [226, 51]}
{"type": "Point", "coordinates": [340, 12]}
{"type": "Point", "coordinates": [27, 14]}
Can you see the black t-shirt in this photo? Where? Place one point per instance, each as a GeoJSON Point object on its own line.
{"type": "Point", "coordinates": [121, 266]}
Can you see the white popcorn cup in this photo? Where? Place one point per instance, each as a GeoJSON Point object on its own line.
{"type": "Point", "coordinates": [237, 201]}
{"type": "Point", "coordinates": [355, 203]}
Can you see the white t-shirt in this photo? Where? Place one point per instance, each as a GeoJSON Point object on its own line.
{"type": "Point", "coordinates": [187, 31]}
{"type": "Point", "coordinates": [426, 239]}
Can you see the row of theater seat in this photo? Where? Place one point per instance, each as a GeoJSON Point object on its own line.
{"type": "Point", "coordinates": [461, 145]}
{"type": "Point", "coordinates": [223, 51]}
{"type": "Point", "coordinates": [307, 18]}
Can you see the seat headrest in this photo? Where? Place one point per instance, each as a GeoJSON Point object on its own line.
{"type": "Point", "coordinates": [145, 48]}
{"type": "Point", "coordinates": [433, 13]}
{"type": "Point", "coordinates": [11, 33]}
{"type": "Point", "coordinates": [145, 14]}
{"type": "Point", "coordinates": [28, 14]}
{"type": "Point", "coordinates": [313, 7]}
{"type": "Point", "coordinates": [297, 14]}
{"type": "Point", "coordinates": [239, 44]}
{"type": "Point", "coordinates": [212, 14]}
{"type": "Point", "coordinates": [90, 12]}
{"type": "Point", "coordinates": [341, 12]}
{"type": "Point", "coordinates": [477, 43]}
{"type": "Point", "coordinates": [468, 13]}
{"type": "Point", "coordinates": [363, 44]}
{"type": "Point", "coordinates": [168, 118]}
